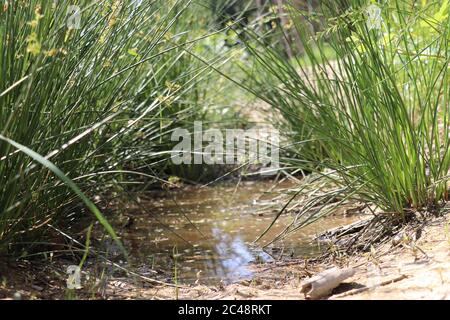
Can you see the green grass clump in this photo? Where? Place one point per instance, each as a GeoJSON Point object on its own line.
{"type": "Point", "coordinates": [97, 101]}
{"type": "Point", "coordinates": [374, 117]}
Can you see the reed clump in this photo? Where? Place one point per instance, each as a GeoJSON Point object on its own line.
{"type": "Point", "coordinates": [373, 117]}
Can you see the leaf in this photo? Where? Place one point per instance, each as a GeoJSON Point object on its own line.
{"type": "Point", "coordinates": [441, 15]}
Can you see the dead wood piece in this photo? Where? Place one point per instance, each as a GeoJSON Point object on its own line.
{"type": "Point", "coordinates": [322, 284]}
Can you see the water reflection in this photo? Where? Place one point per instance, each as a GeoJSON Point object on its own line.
{"type": "Point", "coordinates": [235, 256]}
{"type": "Point", "coordinates": [213, 230]}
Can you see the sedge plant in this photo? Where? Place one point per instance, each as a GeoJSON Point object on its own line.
{"type": "Point", "coordinates": [372, 119]}
{"type": "Point", "coordinates": [89, 93]}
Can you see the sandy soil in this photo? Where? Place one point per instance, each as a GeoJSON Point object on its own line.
{"type": "Point", "coordinates": [416, 274]}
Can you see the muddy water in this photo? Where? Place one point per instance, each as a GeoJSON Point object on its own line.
{"type": "Point", "coordinates": [206, 235]}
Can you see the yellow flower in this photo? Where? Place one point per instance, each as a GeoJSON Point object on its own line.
{"type": "Point", "coordinates": [230, 23]}
{"type": "Point", "coordinates": [112, 22]}
{"type": "Point", "coordinates": [172, 86]}
{"type": "Point", "coordinates": [107, 64]}
{"type": "Point", "coordinates": [37, 16]}
{"type": "Point", "coordinates": [51, 53]}
{"type": "Point", "coordinates": [166, 100]}
{"type": "Point", "coordinates": [133, 52]}
{"type": "Point", "coordinates": [34, 46]}
{"type": "Point", "coordinates": [33, 23]}
{"type": "Point", "coordinates": [168, 36]}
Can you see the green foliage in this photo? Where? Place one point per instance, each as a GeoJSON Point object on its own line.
{"type": "Point", "coordinates": [373, 119]}
{"type": "Point", "coordinates": [98, 101]}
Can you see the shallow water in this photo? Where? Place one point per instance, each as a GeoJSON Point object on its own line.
{"type": "Point", "coordinates": [207, 234]}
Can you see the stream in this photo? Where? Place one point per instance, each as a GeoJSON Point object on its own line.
{"type": "Point", "coordinates": [206, 235]}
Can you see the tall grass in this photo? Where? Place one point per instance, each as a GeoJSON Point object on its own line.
{"type": "Point", "coordinates": [374, 118]}
{"type": "Point", "coordinates": [99, 101]}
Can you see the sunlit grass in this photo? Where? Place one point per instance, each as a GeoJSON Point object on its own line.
{"type": "Point", "coordinates": [98, 100]}
{"type": "Point", "coordinates": [373, 118]}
